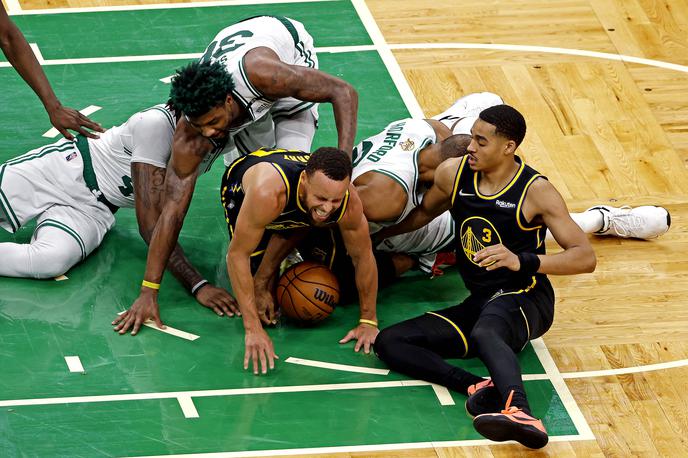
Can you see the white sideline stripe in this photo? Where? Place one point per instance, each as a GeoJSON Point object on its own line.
{"type": "Point", "coordinates": [13, 7]}
{"type": "Point", "coordinates": [545, 49]}
{"type": "Point", "coordinates": [393, 73]}
{"type": "Point", "coordinates": [213, 393]}
{"type": "Point", "coordinates": [169, 330]}
{"type": "Point", "coordinates": [443, 395]}
{"type": "Point", "coordinates": [627, 370]}
{"type": "Point", "coordinates": [336, 367]}
{"type": "Point", "coordinates": [52, 133]}
{"type": "Point", "coordinates": [37, 52]}
{"type": "Point", "coordinates": [74, 364]}
{"type": "Point", "coordinates": [562, 389]}
{"type": "Point", "coordinates": [356, 448]}
{"type": "Point", "coordinates": [188, 407]}
{"type": "Point", "coordinates": [98, 9]}
{"type": "Point", "coordinates": [388, 59]}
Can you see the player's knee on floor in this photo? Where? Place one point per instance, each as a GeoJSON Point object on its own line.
{"type": "Point", "coordinates": [387, 341]}
{"type": "Point", "coordinates": [50, 261]}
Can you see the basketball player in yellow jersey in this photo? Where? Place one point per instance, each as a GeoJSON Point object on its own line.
{"type": "Point", "coordinates": [501, 209]}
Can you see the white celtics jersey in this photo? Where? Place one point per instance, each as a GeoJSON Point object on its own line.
{"type": "Point", "coordinates": [145, 137]}
{"type": "Point", "coordinates": [286, 37]}
{"type": "Point", "coordinates": [394, 152]}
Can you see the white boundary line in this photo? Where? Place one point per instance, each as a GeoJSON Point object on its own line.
{"type": "Point", "coordinates": [74, 364]}
{"type": "Point", "coordinates": [355, 448]}
{"type": "Point", "coordinates": [562, 389]}
{"type": "Point", "coordinates": [336, 367]}
{"type": "Point", "coordinates": [188, 407]}
{"type": "Point", "coordinates": [37, 52]}
{"type": "Point", "coordinates": [388, 58]}
{"type": "Point", "coordinates": [161, 6]}
{"type": "Point", "coordinates": [213, 393]}
{"type": "Point", "coordinates": [13, 7]}
{"type": "Point", "coordinates": [168, 330]}
{"type": "Point", "coordinates": [626, 370]}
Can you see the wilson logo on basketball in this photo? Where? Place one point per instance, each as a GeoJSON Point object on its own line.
{"type": "Point", "coordinates": [322, 296]}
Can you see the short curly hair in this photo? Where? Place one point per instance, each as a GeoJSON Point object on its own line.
{"type": "Point", "coordinates": [200, 87]}
{"type": "Point", "coordinates": [333, 162]}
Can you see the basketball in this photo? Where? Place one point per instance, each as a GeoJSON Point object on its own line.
{"type": "Point", "coordinates": [308, 292]}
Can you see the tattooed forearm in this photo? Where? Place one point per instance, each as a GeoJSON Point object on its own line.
{"type": "Point", "coordinates": [182, 269]}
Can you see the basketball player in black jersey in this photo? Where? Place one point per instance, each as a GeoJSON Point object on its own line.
{"type": "Point", "coordinates": [501, 208]}
{"type": "Point", "coordinates": [283, 193]}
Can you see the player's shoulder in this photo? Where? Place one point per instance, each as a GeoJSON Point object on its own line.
{"type": "Point", "coordinates": [158, 118]}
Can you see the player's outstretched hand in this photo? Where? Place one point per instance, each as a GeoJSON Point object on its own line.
{"type": "Point", "coordinates": [259, 347]}
{"type": "Point", "coordinates": [218, 300]}
{"type": "Point", "coordinates": [365, 337]}
{"type": "Point", "coordinates": [265, 305]}
{"type": "Point", "coordinates": [143, 308]}
{"type": "Point", "coordinates": [496, 256]}
{"type": "Point", "coordinates": [64, 118]}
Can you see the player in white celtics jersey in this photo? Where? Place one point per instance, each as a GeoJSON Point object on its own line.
{"type": "Point", "coordinates": [256, 85]}
{"type": "Point", "coordinates": [393, 169]}
{"type": "Point", "coordinates": [73, 189]}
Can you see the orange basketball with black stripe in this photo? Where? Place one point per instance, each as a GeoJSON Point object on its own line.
{"type": "Point", "coordinates": [308, 292]}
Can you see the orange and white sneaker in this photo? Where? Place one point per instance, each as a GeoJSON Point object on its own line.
{"type": "Point", "coordinates": [483, 397]}
{"type": "Point", "coordinates": [512, 424]}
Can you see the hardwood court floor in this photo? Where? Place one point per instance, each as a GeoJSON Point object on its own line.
{"type": "Point", "coordinates": [602, 131]}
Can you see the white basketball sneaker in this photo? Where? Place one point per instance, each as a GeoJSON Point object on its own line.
{"type": "Point", "coordinates": [646, 222]}
{"type": "Point", "coordinates": [468, 106]}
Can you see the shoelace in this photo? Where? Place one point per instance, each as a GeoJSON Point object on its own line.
{"type": "Point", "coordinates": [625, 223]}
{"type": "Point", "coordinates": [508, 408]}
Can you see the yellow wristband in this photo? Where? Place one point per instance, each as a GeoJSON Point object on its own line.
{"type": "Point", "coordinates": [370, 322]}
{"type": "Point", "coordinates": [150, 284]}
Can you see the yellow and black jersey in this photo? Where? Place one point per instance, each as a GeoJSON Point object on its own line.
{"type": "Point", "coordinates": [289, 164]}
{"type": "Point", "coordinates": [483, 220]}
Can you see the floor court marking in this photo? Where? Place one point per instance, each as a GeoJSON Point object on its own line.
{"type": "Point", "coordinates": [160, 6]}
{"type": "Point", "coordinates": [188, 407]}
{"type": "Point", "coordinates": [356, 448]}
{"type": "Point", "coordinates": [37, 52]}
{"type": "Point", "coordinates": [386, 56]}
{"type": "Point", "coordinates": [562, 389]}
{"type": "Point", "coordinates": [13, 7]}
{"type": "Point", "coordinates": [169, 330]}
{"type": "Point", "coordinates": [214, 393]}
{"type": "Point", "coordinates": [336, 367]}
{"type": "Point", "coordinates": [74, 364]}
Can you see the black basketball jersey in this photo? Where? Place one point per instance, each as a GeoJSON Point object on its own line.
{"type": "Point", "coordinates": [289, 164]}
{"type": "Point", "coordinates": [482, 221]}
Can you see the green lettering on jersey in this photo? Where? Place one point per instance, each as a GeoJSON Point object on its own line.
{"type": "Point", "coordinates": [127, 189]}
{"type": "Point", "coordinates": [359, 155]}
{"type": "Point", "coordinates": [226, 45]}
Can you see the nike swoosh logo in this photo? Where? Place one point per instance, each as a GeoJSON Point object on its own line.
{"type": "Point", "coordinates": [465, 194]}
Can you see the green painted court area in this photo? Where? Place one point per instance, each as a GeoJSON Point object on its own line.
{"type": "Point", "coordinates": [129, 400]}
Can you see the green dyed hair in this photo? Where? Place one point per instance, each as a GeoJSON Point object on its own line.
{"type": "Point", "coordinates": [200, 87]}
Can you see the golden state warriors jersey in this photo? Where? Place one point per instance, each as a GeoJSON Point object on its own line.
{"type": "Point", "coordinates": [482, 221]}
{"type": "Point", "coordinates": [289, 164]}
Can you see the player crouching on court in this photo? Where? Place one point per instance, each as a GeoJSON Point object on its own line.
{"type": "Point", "coordinates": [501, 208]}
{"type": "Point", "coordinates": [73, 189]}
{"type": "Point", "coordinates": [281, 194]}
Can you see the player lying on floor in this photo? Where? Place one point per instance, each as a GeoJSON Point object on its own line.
{"type": "Point", "coordinates": [393, 169]}
{"type": "Point", "coordinates": [73, 189]}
